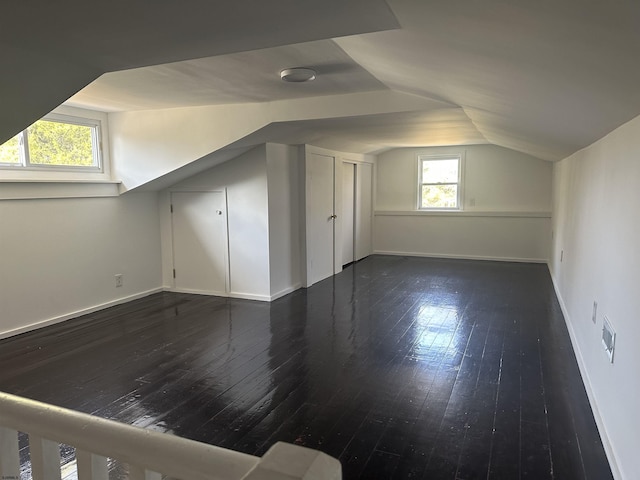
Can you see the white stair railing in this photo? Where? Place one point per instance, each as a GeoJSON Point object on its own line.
{"type": "Point", "coordinates": [149, 454]}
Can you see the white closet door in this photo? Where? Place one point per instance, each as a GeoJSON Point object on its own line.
{"type": "Point", "coordinates": [348, 199]}
{"type": "Point", "coordinates": [200, 256]}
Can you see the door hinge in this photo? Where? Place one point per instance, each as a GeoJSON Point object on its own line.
{"type": "Point", "coordinates": [174, 273]}
{"type": "Point", "coordinates": [171, 208]}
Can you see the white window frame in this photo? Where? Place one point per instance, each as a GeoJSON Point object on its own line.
{"type": "Point", "coordinates": [459, 183]}
{"type": "Point", "coordinates": [96, 147]}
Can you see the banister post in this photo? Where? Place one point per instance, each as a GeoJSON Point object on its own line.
{"type": "Point", "coordinates": [287, 461]}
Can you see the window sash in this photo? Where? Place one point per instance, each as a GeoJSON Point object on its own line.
{"type": "Point", "coordinates": [422, 159]}
{"type": "Point", "coordinates": [96, 144]}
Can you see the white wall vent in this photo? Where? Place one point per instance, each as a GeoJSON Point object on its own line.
{"type": "Point", "coordinates": [608, 338]}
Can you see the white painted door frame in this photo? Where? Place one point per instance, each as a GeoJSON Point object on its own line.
{"type": "Point", "coordinates": [363, 211]}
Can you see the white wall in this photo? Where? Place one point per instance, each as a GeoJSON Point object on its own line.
{"type": "Point", "coordinates": [284, 225]}
{"type": "Point", "coordinates": [148, 144]}
{"type": "Point", "coordinates": [245, 180]}
{"type": "Point", "coordinates": [58, 257]}
{"type": "Point", "coordinates": [506, 206]}
{"type": "Point", "coordinates": [596, 224]}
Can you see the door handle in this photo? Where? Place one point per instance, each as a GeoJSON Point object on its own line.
{"type": "Point", "coordinates": [333, 217]}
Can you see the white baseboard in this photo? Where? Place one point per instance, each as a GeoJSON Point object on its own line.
{"type": "Point", "coordinates": [241, 295]}
{"type": "Point", "coordinates": [286, 291]}
{"type": "Point", "coordinates": [245, 296]}
{"type": "Point", "coordinates": [195, 292]}
{"type": "Point", "coordinates": [462, 257]}
{"type": "Point", "coordinates": [602, 429]}
{"type": "Point", "coordinates": [77, 313]}
{"type": "Point", "coordinates": [250, 296]}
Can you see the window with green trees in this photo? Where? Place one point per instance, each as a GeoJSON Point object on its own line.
{"type": "Point", "coordinates": [439, 183]}
{"type": "Point", "coordinates": [56, 141]}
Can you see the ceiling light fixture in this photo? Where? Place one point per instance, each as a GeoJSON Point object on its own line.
{"type": "Point", "coordinates": [298, 75]}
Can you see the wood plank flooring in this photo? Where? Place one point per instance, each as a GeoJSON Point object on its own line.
{"type": "Point", "coordinates": [403, 368]}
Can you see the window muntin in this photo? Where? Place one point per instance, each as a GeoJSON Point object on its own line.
{"type": "Point", "coordinates": [439, 182]}
{"type": "Point", "coordinates": [57, 142]}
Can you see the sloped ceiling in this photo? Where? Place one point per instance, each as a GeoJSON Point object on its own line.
{"type": "Point", "coordinates": [544, 78]}
{"type": "Point", "coordinates": [51, 50]}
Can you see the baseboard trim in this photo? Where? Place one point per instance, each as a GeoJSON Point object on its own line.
{"type": "Point", "coordinates": [244, 296]}
{"type": "Point", "coordinates": [586, 380]}
{"type": "Point", "coordinates": [240, 295]}
{"type": "Point", "coordinates": [286, 291]}
{"type": "Point", "coordinates": [195, 292]}
{"type": "Point", "coordinates": [250, 296]}
{"type": "Point", "coordinates": [462, 257]}
{"type": "Point", "coordinates": [77, 313]}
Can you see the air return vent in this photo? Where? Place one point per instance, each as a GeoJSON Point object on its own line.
{"type": "Point", "coordinates": [608, 338]}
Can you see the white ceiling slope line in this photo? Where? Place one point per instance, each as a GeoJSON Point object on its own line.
{"type": "Point", "coordinates": [374, 133]}
{"type": "Point", "coordinates": [336, 106]}
{"type": "Point", "coordinates": [498, 131]}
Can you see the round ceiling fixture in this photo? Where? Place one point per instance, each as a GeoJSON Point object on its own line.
{"type": "Point", "coordinates": [297, 75]}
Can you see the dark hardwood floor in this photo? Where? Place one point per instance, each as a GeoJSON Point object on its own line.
{"type": "Point", "coordinates": [399, 367]}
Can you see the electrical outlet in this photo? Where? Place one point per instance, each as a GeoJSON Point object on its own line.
{"type": "Point", "coordinates": [118, 280]}
{"type": "Point", "coordinates": [594, 312]}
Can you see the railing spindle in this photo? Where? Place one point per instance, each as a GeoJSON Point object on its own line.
{"type": "Point", "coordinates": [91, 466]}
{"type": "Point", "coordinates": [139, 473]}
{"type": "Point", "coordinates": [9, 458]}
{"type": "Point", "coordinates": [45, 458]}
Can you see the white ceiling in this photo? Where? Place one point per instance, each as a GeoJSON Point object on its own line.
{"type": "Point", "coordinates": [243, 77]}
{"type": "Point", "coordinates": [545, 78]}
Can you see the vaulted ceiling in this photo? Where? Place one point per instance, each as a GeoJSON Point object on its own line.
{"type": "Point", "coordinates": [545, 78]}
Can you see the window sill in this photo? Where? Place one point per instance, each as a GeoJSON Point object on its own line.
{"type": "Point", "coordinates": [23, 189]}
{"type": "Point", "coordinates": [461, 213]}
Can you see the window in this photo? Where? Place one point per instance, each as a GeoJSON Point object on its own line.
{"type": "Point", "coordinates": [58, 142]}
{"type": "Point", "coordinates": [439, 183]}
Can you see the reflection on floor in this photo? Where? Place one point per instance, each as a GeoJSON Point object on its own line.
{"type": "Point", "coordinates": [400, 367]}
